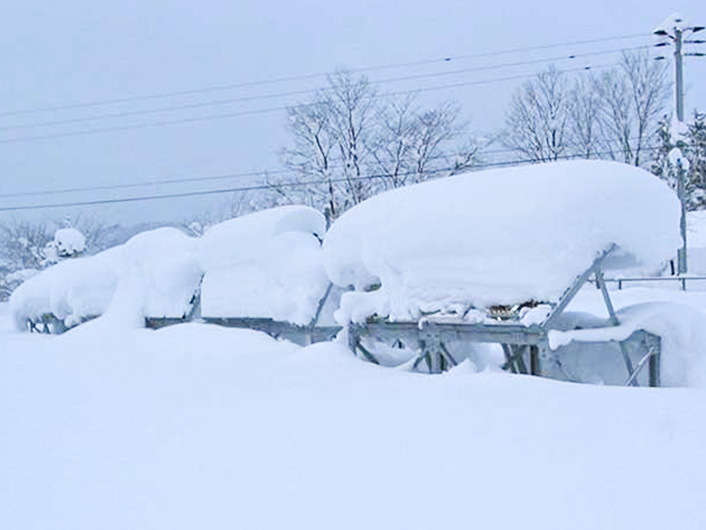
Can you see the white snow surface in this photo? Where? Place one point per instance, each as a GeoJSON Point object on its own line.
{"type": "Point", "coordinates": [682, 333]}
{"type": "Point", "coordinates": [674, 21]}
{"type": "Point", "coordinates": [266, 264]}
{"type": "Point", "coordinates": [69, 241]}
{"type": "Point", "coordinates": [162, 261]}
{"type": "Point", "coordinates": [196, 426]}
{"type": "Point", "coordinates": [234, 241]}
{"type": "Point", "coordinates": [502, 236]}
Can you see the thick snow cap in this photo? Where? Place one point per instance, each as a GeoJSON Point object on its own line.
{"type": "Point", "coordinates": [69, 242]}
{"type": "Point", "coordinates": [161, 263]}
{"type": "Point", "coordinates": [264, 265]}
{"type": "Point", "coordinates": [502, 236]}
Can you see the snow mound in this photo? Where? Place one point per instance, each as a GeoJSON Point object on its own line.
{"type": "Point", "coordinates": [163, 262]}
{"type": "Point", "coordinates": [264, 265]}
{"type": "Point", "coordinates": [682, 330]}
{"type": "Point", "coordinates": [69, 242]}
{"type": "Point", "coordinates": [232, 241]}
{"type": "Point", "coordinates": [502, 236]}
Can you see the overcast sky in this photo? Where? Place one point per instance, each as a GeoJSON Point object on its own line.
{"type": "Point", "coordinates": [70, 53]}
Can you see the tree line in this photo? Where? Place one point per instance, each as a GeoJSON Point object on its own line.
{"type": "Point", "coordinates": [349, 142]}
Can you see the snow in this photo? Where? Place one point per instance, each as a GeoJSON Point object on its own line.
{"type": "Point", "coordinates": [21, 275]}
{"type": "Point", "coordinates": [197, 426]}
{"type": "Point", "coordinates": [502, 236]}
{"type": "Point", "coordinates": [114, 426]}
{"type": "Point", "coordinates": [231, 242]}
{"type": "Point", "coordinates": [69, 242]}
{"type": "Point", "coordinates": [696, 229]}
{"type": "Point", "coordinates": [162, 261]}
{"type": "Point", "coordinates": [677, 159]}
{"type": "Point", "coordinates": [674, 21]}
{"type": "Point", "coordinates": [266, 264]}
{"type": "Point", "coordinates": [680, 328]}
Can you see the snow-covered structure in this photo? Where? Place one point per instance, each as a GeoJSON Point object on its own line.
{"type": "Point", "coordinates": [160, 266]}
{"type": "Point", "coordinates": [498, 237]}
{"type": "Point", "coordinates": [495, 256]}
{"type": "Point", "coordinates": [266, 265]}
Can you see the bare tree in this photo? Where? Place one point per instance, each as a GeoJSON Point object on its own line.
{"type": "Point", "coordinates": [633, 97]}
{"type": "Point", "coordinates": [331, 146]}
{"type": "Point", "coordinates": [585, 109]}
{"type": "Point", "coordinates": [23, 244]}
{"type": "Point", "coordinates": [348, 144]}
{"type": "Point", "coordinates": [537, 124]}
{"type": "Point", "coordinates": [413, 145]}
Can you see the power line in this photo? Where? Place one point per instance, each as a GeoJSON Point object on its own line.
{"type": "Point", "coordinates": [211, 117]}
{"type": "Point", "coordinates": [278, 95]}
{"type": "Point", "coordinates": [225, 176]}
{"type": "Point", "coordinates": [285, 185]}
{"type": "Point", "coordinates": [230, 176]}
{"type": "Point", "coordinates": [301, 77]}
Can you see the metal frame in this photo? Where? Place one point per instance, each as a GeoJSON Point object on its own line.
{"type": "Point", "coordinates": [525, 347]}
{"type": "Point", "coordinates": [303, 335]}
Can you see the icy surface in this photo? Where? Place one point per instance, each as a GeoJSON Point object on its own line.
{"type": "Point", "coordinates": [496, 237]}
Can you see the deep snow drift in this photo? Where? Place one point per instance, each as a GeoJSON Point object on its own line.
{"type": "Point", "coordinates": [502, 236]}
{"type": "Point", "coordinates": [196, 426]}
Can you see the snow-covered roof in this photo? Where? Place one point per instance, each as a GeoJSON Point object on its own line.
{"type": "Point", "coordinates": [501, 236]}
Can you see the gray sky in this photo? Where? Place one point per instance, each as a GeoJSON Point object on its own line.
{"type": "Point", "coordinates": [61, 54]}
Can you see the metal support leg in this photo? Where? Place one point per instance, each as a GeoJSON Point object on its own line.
{"type": "Point", "coordinates": [614, 321]}
{"type": "Point", "coordinates": [534, 361]}
{"type": "Point", "coordinates": [509, 361]}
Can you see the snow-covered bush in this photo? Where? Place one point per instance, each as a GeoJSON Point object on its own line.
{"type": "Point", "coordinates": [69, 242]}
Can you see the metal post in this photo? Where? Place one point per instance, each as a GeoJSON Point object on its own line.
{"type": "Point", "coordinates": [681, 186]}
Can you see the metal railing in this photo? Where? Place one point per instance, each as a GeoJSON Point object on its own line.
{"type": "Point", "coordinates": [681, 279]}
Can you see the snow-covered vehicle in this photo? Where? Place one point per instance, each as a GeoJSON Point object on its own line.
{"type": "Point", "coordinates": [496, 257]}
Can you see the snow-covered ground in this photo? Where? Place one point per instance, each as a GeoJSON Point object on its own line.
{"type": "Point", "coordinates": [196, 426]}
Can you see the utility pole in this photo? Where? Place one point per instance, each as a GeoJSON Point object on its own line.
{"type": "Point", "coordinates": [673, 29]}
